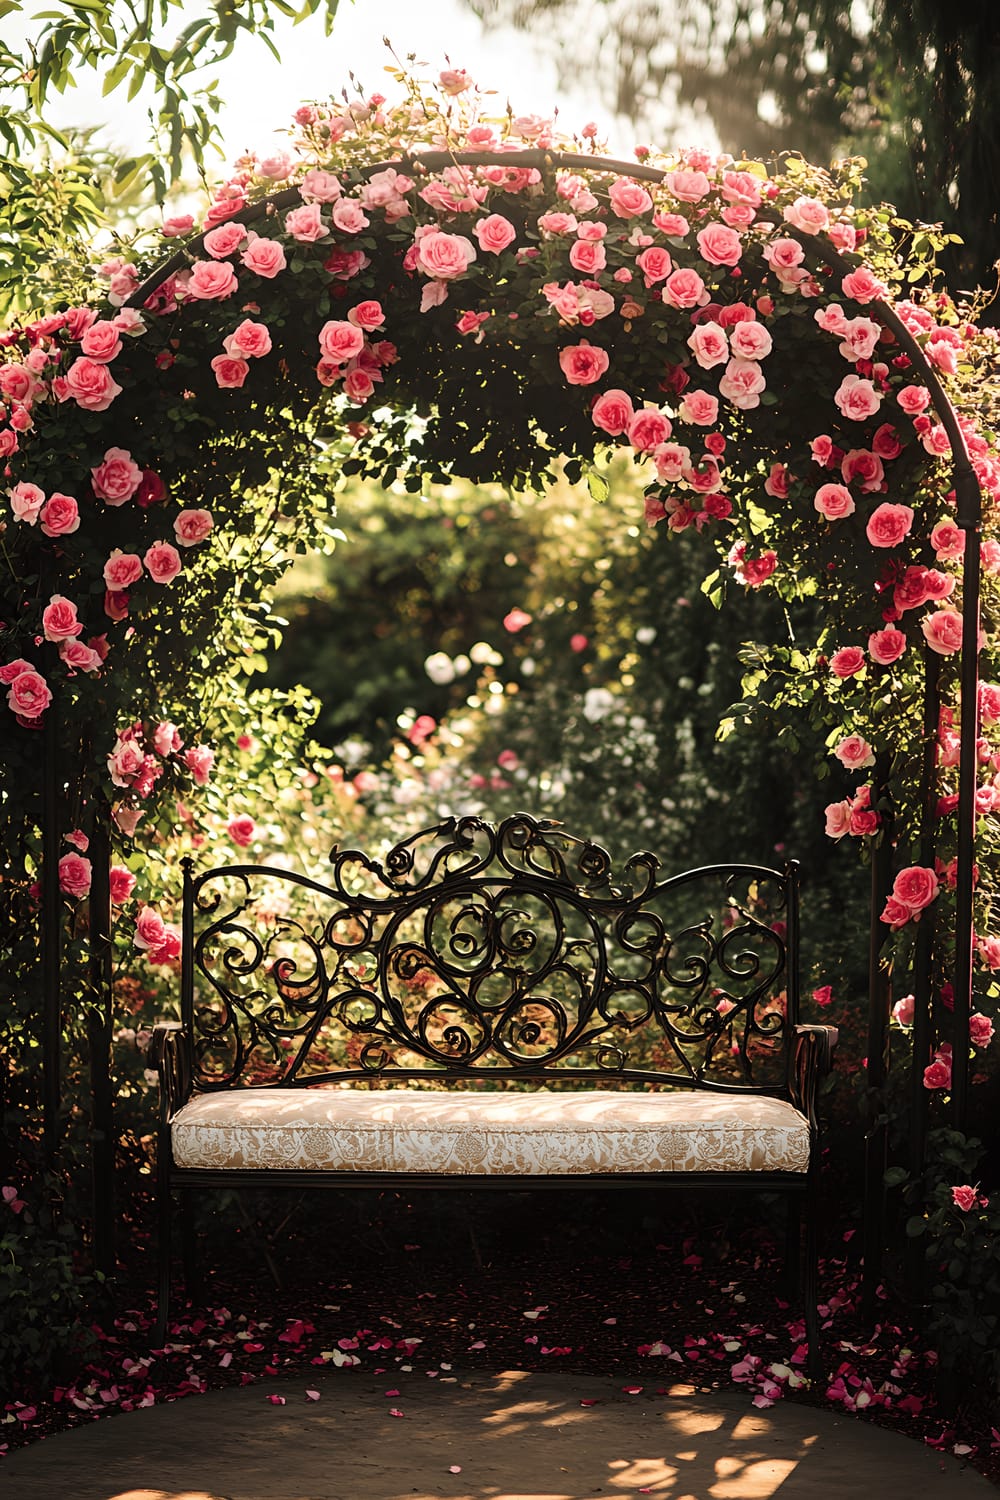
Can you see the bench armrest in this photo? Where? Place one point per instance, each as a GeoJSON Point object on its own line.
{"type": "Point", "coordinates": [812, 1059]}
{"type": "Point", "coordinates": [170, 1055]}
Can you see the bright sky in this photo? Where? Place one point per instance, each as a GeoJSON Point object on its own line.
{"type": "Point", "coordinates": [261, 94]}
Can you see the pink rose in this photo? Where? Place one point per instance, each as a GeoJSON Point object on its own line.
{"type": "Point", "coordinates": [340, 342]}
{"type": "Point", "coordinates": [14, 669]}
{"type": "Point", "coordinates": [177, 226]}
{"type": "Point", "coordinates": [582, 364]}
{"type": "Point", "coordinates": [889, 524]}
{"type": "Point", "coordinates": [910, 591]}
{"type": "Point", "coordinates": [938, 1075]}
{"type": "Point", "coordinates": [199, 760]}
{"type": "Point", "coordinates": [454, 80]}
{"type": "Point", "coordinates": [750, 341]}
{"type": "Point", "coordinates": [672, 460]}
{"type": "Point", "coordinates": [860, 466]}
{"type": "Point", "coordinates": [742, 384]}
{"type": "Point", "coordinates": [343, 264]}
{"type": "Point", "coordinates": [588, 257]}
{"type": "Point", "coordinates": [264, 258]}
{"type": "Point", "coordinates": [166, 738]}
{"type": "Point", "coordinates": [89, 384]}
{"type": "Point", "coordinates": [915, 887]}
{"type": "Point", "coordinates": [249, 340]}
{"type": "Point", "coordinates": [59, 515]}
{"type": "Point", "coordinates": [886, 646]}
{"type": "Point", "coordinates": [150, 929]}
{"type": "Point", "coordinates": [831, 319]}
{"type": "Point", "coordinates": [757, 570]}
{"type": "Point", "coordinates": [230, 372]}
{"type": "Point", "coordinates": [741, 188]}
{"type": "Point", "coordinates": [948, 541]}
{"type": "Point", "coordinates": [862, 286]}
{"type": "Point", "coordinates": [305, 223]}
{"type": "Point", "coordinates": [102, 342]}
{"type": "Point", "coordinates": [847, 662]}
{"type": "Point", "coordinates": [224, 240]}
{"type": "Point", "coordinates": [163, 562]}
{"type": "Point", "coordinates": [629, 199]}
{"type": "Point", "coordinates": [709, 345]}
{"type": "Point", "coordinates": [74, 875]}
{"type": "Point", "coordinates": [367, 316]}
{"type": "Point", "coordinates": [943, 631]}
{"type": "Point", "coordinates": [914, 399]}
{"type": "Point", "coordinates": [192, 526]}
{"type": "Point", "coordinates": [700, 408]}
{"type": "Point", "coordinates": [674, 226]}
{"type": "Point", "coordinates": [980, 1030]}
{"type": "Point", "coordinates": [843, 237]}
{"type": "Point", "coordinates": [838, 819]}
{"type": "Point", "coordinates": [168, 950]}
{"type": "Point", "coordinates": [444, 256]}
{"type": "Point", "coordinates": [612, 412]}
{"type": "Point", "coordinates": [557, 224]}
{"type": "Point", "coordinates": [689, 187]}
{"type": "Point", "coordinates": [655, 264]}
{"type": "Point", "coordinates": [127, 819]}
{"type": "Point", "coordinates": [320, 186]}
{"type": "Point", "coordinates": [902, 1011]}
{"type": "Point", "coordinates": [719, 245]}
{"type": "Point", "coordinates": [116, 477]}
{"type": "Point", "coordinates": [116, 604]}
{"type": "Point", "coordinates": [29, 695]}
{"type": "Point", "coordinates": [964, 1198]}
{"type": "Point", "coordinates": [857, 398]}
{"type": "Point", "coordinates": [684, 288]}
{"type": "Point", "coordinates": [776, 483]}
{"type": "Point", "coordinates": [122, 569]}
{"type": "Point", "coordinates": [358, 386]}
{"type": "Point", "coordinates": [211, 281]}
{"type": "Point", "coordinates": [860, 336]}
{"type": "Point", "coordinates": [784, 255]}
{"type": "Point", "coordinates": [122, 883]}
{"type": "Point", "coordinates": [855, 753]}
{"type": "Point", "coordinates": [494, 234]}
{"type": "Point", "coordinates": [808, 214]}
{"type": "Point", "coordinates": [26, 501]}
{"type": "Point", "coordinates": [241, 830]}
{"type": "Point", "coordinates": [648, 429]}
{"type": "Point", "coordinates": [349, 217]}
{"type": "Point", "coordinates": [59, 621]}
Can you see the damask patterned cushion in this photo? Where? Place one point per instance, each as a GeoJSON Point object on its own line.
{"type": "Point", "coordinates": [518, 1134]}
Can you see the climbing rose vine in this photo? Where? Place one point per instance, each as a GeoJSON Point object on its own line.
{"type": "Point", "coordinates": [352, 303]}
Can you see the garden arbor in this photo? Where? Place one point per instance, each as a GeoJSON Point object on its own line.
{"type": "Point", "coordinates": [435, 292]}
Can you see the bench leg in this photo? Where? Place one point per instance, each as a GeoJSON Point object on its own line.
{"type": "Point", "coordinates": [193, 1283]}
{"type": "Point", "coordinates": [163, 1228]}
{"type": "Point", "coordinates": [814, 1366]}
{"type": "Point", "coordinates": [793, 1247]}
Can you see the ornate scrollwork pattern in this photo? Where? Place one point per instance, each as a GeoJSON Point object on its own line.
{"type": "Point", "coordinates": [492, 952]}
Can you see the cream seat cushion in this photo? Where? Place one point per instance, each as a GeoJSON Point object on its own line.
{"type": "Point", "coordinates": [517, 1134]}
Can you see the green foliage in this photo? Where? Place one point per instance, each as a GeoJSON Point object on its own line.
{"type": "Point", "coordinates": [962, 1252]}
{"type": "Point", "coordinates": [56, 187]}
{"type": "Point", "coordinates": [43, 1293]}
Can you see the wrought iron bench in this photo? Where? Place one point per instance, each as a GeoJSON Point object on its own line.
{"type": "Point", "coordinates": [603, 1030]}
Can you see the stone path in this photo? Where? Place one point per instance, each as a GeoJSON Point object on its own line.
{"type": "Point", "coordinates": [513, 1436]}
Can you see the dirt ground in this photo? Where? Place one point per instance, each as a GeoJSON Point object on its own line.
{"type": "Point", "coordinates": [474, 1436]}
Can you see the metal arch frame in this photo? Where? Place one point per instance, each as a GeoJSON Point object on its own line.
{"type": "Point", "coordinates": [969, 520]}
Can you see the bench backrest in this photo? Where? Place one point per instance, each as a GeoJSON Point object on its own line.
{"type": "Point", "coordinates": [475, 952]}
